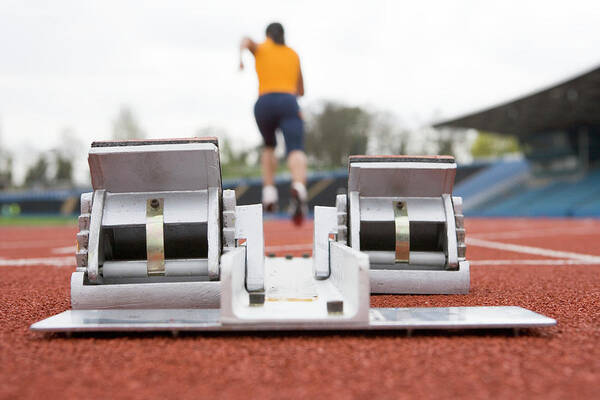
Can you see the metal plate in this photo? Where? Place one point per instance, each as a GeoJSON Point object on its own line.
{"type": "Point", "coordinates": [401, 158]}
{"type": "Point", "coordinates": [401, 179]}
{"type": "Point", "coordinates": [155, 238]}
{"type": "Point", "coordinates": [155, 168]}
{"type": "Point", "coordinates": [146, 142]}
{"type": "Point", "coordinates": [402, 232]}
{"type": "Point", "coordinates": [443, 318]}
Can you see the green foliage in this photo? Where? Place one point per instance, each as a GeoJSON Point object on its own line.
{"type": "Point", "coordinates": [37, 174]}
{"type": "Point", "coordinates": [237, 163]}
{"type": "Point", "coordinates": [336, 132]}
{"type": "Point", "coordinates": [445, 144]}
{"type": "Point", "coordinates": [64, 170]}
{"type": "Point", "coordinates": [6, 164]}
{"type": "Point", "coordinates": [493, 145]}
{"type": "Point", "coordinates": [21, 220]}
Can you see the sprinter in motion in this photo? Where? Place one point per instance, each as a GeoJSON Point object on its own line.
{"type": "Point", "coordinates": [280, 82]}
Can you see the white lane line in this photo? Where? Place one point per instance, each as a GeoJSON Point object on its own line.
{"type": "Point", "coordinates": [32, 244]}
{"type": "Point", "coordinates": [535, 262]}
{"type": "Point", "coordinates": [47, 261]}
{"type": "Point", "coordinates": [537, 233]}
{"type": "Point", "coordinates": [65, 250]}
{"type": "Point", "coordinates": [572, 258]}
{"type": "Point", "coordinates": [290, 247]}
{"type": "Point", "coordinates": [530, 250]}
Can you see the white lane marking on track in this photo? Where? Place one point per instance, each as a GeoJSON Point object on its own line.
{"type": "Point", "coordinates": [32, 244]}
{"type": "Point", "coordinates": [572, 258]}
{"type": "Point", "coordinates": [47, 261]}
{"type": "Point", "coordinates": [290, 247]}
{"type": "Point", "coordinates": [530, 250]}
{"type": "Point", "coordinates": [536, 233]}
{"type": "Point", "coordinates": [65, 250]}
{"type": "Point", "coordinates": [535, 262]}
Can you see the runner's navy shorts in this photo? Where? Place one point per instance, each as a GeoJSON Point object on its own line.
{"type": "Point", "coordinates": [280, 110]}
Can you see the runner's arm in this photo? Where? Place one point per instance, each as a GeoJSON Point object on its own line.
{"type": "Point", "coordinates": [249, 44]}
{"type": "Point", "coordinates": [300, 85]}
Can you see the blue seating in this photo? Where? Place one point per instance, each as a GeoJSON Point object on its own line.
{"type": "Point", "coordinates": [558, 198]}
{"type": "Point", "coordinates": [496, 173]}
{"type": "Point", "coordinates": [565, 200]}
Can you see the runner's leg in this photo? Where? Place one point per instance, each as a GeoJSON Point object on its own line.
{"type": "Point", "coordinates": [292, 127]}
{"type": "Point", "coordinates": [266, 119]}
{"type": "Point", "coordinates": [269, 165]}
{"type": "Point", "coordinates": [297, 164]}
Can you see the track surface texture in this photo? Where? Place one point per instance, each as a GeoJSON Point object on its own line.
{"type": "Point", "coordinates": [549, 266]}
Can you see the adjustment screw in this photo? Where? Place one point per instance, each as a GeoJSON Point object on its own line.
{"type": "Point", "coordinates": [154, 203]}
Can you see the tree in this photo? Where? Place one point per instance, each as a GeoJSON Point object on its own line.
{"type": "Point", "coordinates": [235, 162]}
{"type": "Point", "coordinates": [64, 170]}
{"type": "Point", "coordinates": [335, 132]}
{"type": "Point", "coordinates": [445, 142]}
{"type": "Point", "coordinates": [69, 156]}
{"type": "Point", "coordinates": [37, 174]}
{"type": "Point", "coordinates": [388, 136]}
{"type": "Point", "coordinates": [492, 145]}
{"type": "Point", "coordinates": [126, 127]}
{"type": "Point", "coordinates": [6, 164]}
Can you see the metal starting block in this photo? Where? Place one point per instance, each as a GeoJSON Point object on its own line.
{"type": "Point", "coordinates": [399, 210]}
{"type": "Point", "coordinates": [150, 234]}
{"type": "Point", "coordinates": [162, 247]}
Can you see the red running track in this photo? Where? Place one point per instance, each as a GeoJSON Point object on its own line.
{"type": "Point", "coordinates": [548, 265]}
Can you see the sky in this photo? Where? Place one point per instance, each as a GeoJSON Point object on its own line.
{"type": "Point", "coordinates": [71, 65]}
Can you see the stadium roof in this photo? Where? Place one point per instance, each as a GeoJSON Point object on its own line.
{"type": "Point", "coordinates": [575, 102]}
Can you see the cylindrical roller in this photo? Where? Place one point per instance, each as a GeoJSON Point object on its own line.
{"type": "Point", "coordinates": [138, 269]}
{"type": "Point", "coordinates": [433, 258]}
{"type": "Point", "coordinates": [193, 267]}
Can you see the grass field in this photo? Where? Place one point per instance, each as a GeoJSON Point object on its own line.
{"type": "Point", "coordinates": [38, 220]}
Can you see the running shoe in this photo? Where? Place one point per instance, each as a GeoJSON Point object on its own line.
{"type": "Point", "coordinates": [298, 205]}
{"type": "Point", "coordinates": [270, 199]}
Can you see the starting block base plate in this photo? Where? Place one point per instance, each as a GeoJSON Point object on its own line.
{"type": "Point", "coordinates": [429, 318]}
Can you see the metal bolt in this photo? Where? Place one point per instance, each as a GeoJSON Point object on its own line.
{"type": "Point", "coordinates": [154, 203]}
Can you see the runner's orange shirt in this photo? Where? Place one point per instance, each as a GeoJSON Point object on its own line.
{"type": "Point", "coordinates": [277, 67]}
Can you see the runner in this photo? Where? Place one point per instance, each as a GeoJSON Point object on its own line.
{"type": "Point", "coordinates": [279, 83]}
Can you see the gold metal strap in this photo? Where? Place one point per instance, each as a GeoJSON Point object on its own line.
{"type": "Point", "coordinates": [402, 232]}
{"type": "Point", "coordinates": [155, 239]}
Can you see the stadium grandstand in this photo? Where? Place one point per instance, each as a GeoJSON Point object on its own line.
{"type": "Point", "coordinates": [559, 175]}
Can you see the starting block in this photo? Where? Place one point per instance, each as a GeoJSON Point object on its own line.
{"type": "Point", "coordinates": [399, 210]}
{"type": "Point", "coordinates": [150, 234]}
{"type": "Point", "coordinates": [162, 247]}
